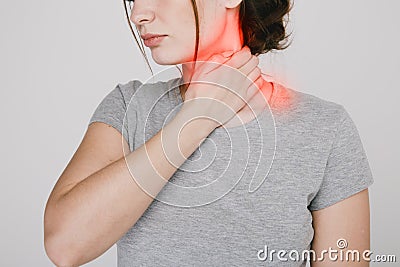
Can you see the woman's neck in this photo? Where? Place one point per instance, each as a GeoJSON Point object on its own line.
{"type": "Point", "coordinates": [232, 40]}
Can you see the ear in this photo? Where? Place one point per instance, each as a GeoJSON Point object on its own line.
{"type": "Point", "coordinates": [232, 3]}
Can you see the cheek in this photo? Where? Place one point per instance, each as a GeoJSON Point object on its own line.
{"type": "Point", "coordinates": [212, 22]}
{"type": "Point", "coordinates": [183, 37]}
{"type": "Point", "coordinates": [211, 31]}
{"type": "Point", "coordinates": [174, 50]}
{"type": "Point", "coordinates": [180, 46]}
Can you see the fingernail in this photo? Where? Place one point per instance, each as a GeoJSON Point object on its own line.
{"type": "Point", "coordinates": [227, 53]}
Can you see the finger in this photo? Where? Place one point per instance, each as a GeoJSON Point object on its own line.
{"type": "Point", "coordinates": [222, 58]}
{"type": "Point", "coordinates": [212, 63]}
{"type": "Point", "coordinates": [255, 87]}
{"type": "Point", "coordinates": [252, 76]}
{"type": "Point", "coordinates": [229, 63]}
{"type": "Point", "coordinates": [226, 54]}
{"type": "Point", "coordinates": [250, 65]}
{"type": "Point", "coordinates": [240, 58]}
{"type": "Point", "coordinates": [215, 62]}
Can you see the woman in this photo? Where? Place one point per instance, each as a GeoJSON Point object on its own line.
{"type": "Point", "coordinates": [315, 194]}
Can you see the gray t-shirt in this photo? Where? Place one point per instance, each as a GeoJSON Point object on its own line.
{"type": "Point", "coordinates": [310, 154]}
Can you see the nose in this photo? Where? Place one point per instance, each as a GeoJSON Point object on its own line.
{"type": "Point", "coordinates": [141, 13]}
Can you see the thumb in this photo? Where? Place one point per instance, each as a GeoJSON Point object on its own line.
{"type": "Point", "coordinates": [215, 61]}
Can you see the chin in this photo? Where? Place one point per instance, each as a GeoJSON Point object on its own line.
{"type": "Point", "coordinates": [165, 58]}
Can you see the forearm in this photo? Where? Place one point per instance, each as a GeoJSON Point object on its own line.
{"type": "Point", "coordinates": [96, 212]}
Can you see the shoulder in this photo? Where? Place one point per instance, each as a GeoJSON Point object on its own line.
{"type": "Point", "coordinates": [302, 114]}
{"type": "Point", "coordinates": [292, 105]}
{"type": "Point", "coordinates": [145, 91]}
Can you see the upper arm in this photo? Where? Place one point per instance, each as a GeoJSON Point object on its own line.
{"type": "Point", "coordinates": [346, 225]}
{"type": "Point", "coordinates": [101, 146]}
{"type": "Point", "coordinates": [340, 207]}
{"type": "Point", "coordinates": [105, 141]}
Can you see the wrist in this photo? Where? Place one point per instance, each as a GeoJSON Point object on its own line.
{"type": "Point", "coordinates": [191, 117]}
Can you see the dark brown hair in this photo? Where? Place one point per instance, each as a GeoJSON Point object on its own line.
{"type": "Point", "coordinates": [262, 23]}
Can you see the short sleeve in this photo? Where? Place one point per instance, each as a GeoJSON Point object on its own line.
{"type": "Point", "coordinates": [347, 170]}
{"type": "Point", "coordinates": [111, 111]}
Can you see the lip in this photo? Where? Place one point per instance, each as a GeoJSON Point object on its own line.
{"type": "Point", "coordinates": [151, 40]}
{"type": "Point", "coordinates": [151, 35]}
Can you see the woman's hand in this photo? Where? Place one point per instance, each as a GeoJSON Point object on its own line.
{"type": "Point", "coordinates": [222, 85]}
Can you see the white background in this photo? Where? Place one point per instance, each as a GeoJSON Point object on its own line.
{"type": "Point", "coordinates": [58, 60]}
